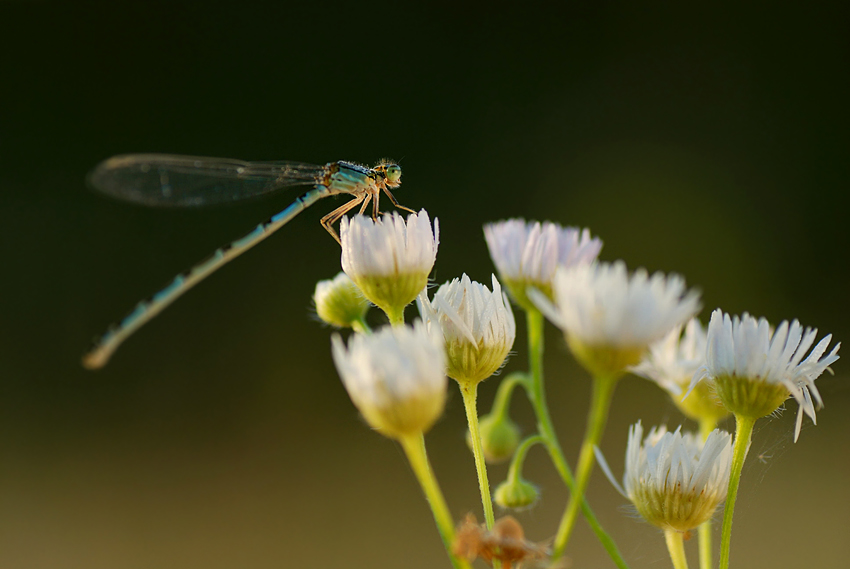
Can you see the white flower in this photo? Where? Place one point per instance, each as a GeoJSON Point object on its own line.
{"type": "Point", "coordinates": [674, 480]}
{"type": "Point", "coordinates": [756, 368]}
{"type": "Point", "coordinates": [339, 302]}
{"type": "Point", "coordinates": [527, 253]}
{"type": "Point", "coordinates": [610, 318]}
{"type": "Point", "coordinates": [478, 327]}
{"type": "Point", "coordinates": [671, 363]}
{"type": "Point", "coordinates": [396, 377]}
{"type": "Point", "coordinates": [389, 259]}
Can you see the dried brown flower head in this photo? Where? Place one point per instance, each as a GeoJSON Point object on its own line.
{"type": "Point", "coordinates": [505, 542]}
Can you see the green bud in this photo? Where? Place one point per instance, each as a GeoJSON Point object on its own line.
{"type": "Point", "coordinates": [517, 493]}
{"type": "Point", "coordinates": [499, 437]}
{"type": "Point", "coordinates": [339, 302]}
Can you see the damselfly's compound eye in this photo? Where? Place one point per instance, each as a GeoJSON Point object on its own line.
{"type": "Point", "coordinates": [393, 174]}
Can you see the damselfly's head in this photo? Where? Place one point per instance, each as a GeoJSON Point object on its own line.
{"type": "Point", "coordinates": [392, 173]}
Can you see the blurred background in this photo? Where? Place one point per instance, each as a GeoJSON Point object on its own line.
{"type": "Point", "coordinates": [711, 143]}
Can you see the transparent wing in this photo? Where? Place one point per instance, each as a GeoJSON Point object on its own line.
{"type": "Point", "coordinates": [172, 180]}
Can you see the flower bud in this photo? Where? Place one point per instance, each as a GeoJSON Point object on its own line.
{"type": "Point", "coordinates": [499, 437]}
{"type": "Point", "coordinates": [516, 493]}
{"type": "Point", "coordinates": [339, 302]}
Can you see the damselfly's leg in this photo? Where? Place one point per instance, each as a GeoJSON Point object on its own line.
{"type": "Point", "coordinates": [395, 202]}
{"type": "Point", "coordinates": [375, 211]}
{"type": "Point", "coordinates": [365, 203]}
{"type": "Point", "coordinates": [334, 216]}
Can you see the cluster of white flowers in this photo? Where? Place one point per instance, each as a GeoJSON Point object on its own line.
{"type": "Point", "coordinates": [613, 321]}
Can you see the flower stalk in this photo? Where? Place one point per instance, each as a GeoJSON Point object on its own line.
{"type": "Point", "coordinates": [603, 392]}
{"type": "Point", "coordinates": [515, 469]}
{"type": "Point", "coordinates": [537, 394]}
{"type": "Point", "coordinates": [676, 547]}
{"type": "Point", "coordinates": [414, 448]}
{"type": "Point", "coordinates": [743, 436]}
{"type": "Point", "coordinates": [470, 394]}
{"type": "Point", "coordinates": [706, 426]}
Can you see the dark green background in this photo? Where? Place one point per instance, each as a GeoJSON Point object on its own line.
{"type": "Point", "coordinates": [709, 143]}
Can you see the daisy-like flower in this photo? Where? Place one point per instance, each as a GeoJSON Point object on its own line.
{"type": "Point", "coordinates": [396, 377]}
{"type": "Point", "coordinates": [339, 302]}
{"type": "Point", "coordinates": [671, 363]}
{"type": "Point", "coordinates": [389, 260]}
{"type": "Point", "coordinates": [674, 480]}
{"type": "Point", "coordinates": [478, 327]}
{"type": "Point", "coordinates": [527, 253]}
{"type": "Point", "coordinates": [755, 368]}
{"type": "Point", "coordinates": [610, 318]}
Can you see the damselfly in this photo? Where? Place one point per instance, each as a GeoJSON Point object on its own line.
{"type": "Point", "coordinates": [171, 180]}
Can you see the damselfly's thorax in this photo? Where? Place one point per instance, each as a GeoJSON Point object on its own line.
{"type": "Point", "coordinates": [350, 178]}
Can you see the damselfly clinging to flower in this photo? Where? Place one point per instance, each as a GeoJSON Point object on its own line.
{"type": "Point", "coordinates": [171, 180]}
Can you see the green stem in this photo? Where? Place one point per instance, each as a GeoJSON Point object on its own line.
{"type": "Point", "coordinates": [361, 327]}
{"type": "Point", "coordinates": [676, 547]}
{"type": "Point", "coordinates": [470, 394]}
{"type": "Point", "coordinates": [706, 426]}
{"type": "Point", "coordinates": [515, 469]}
{"type": "Point", "coordinates": [503, 394]}
{"type": "Point", "coordinates": [743, 435]}
{"type": "Point", "coordinates": [544, 425]}
{"type": "Point", "coordinates": [603, 391]}
{"type": "Point", "coordinates": [396, 317]}
{"type": "Point", "coordinates": [414, 448]}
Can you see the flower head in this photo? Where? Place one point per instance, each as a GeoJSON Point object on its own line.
{"type": "Point", "coordinates": [756, 368]}
{"type": "Point", "coordinates": [396, 377]}
{"type": "Point", "coordinates": [671, 363]}
{"type": "Point", "coordinates": [674, 480]}
{"type": "Point", "coordinates": [389, 259]}
{"type": "Point", "coordinates": [339, 302]}
{"type": "Point", "coordinates": [610, 318]}
{"type": "Point", "coordinates": [527, 253]}
{"type": "Point", "coordinates": [477, 324]}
